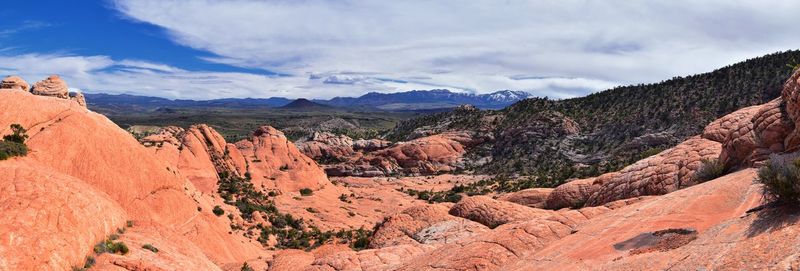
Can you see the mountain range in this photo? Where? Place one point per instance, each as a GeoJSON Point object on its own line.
{"type": "Point", "coordinates": [400, 101]}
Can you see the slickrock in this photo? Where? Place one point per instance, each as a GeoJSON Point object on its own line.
{"type": "Point", "coordinates": [423, 224]}
{"type": "Point", "coordinates": [606, 241]}
{"type": "Point", "coordinates": [720, 129]}
{"type": "Point", "coordinates": [52, 86]}
{"type": "Point", "coordinates": [493, 213]}
{"type": "Point", "coordinates": [571, 194]}
{"type": "Point", "coordinates": [174, 252]}
{"type": "Point", "coordinates": [276, 163]}
{"type": "Point", "coordinates": [791, 96]}
{"type": "Point", "coordinates": [50, 220]}
{"type": "Point", "coordinates": [532, 197]}
{"type": "Point", "coordinates": [15, 83]}
{"type": "Point", "coordinates": [291, 260]}
{"type": "Point", "coordinates": [71, 140]}
{"type": "Point", "coordinates": [388, 258]}
{"type": "Point", "coordinates": [660, 174]}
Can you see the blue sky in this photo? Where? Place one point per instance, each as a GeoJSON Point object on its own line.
{"type": "Point", "coordinates": [204, 49]}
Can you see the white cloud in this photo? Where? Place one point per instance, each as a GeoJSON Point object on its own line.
{"type": "Point", "coordinates": [327, 48]}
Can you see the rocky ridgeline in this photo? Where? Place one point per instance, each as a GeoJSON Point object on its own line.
{"type": "Point", "coordinates": [52, 86]}
{"type": "Point", "coordinates": [433, 154]}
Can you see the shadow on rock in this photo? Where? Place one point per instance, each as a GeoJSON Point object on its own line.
{"type": "Point", "coordinates": [771, 217]}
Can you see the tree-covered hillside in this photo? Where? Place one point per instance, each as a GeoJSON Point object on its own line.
{"type": "Point", "coordinates": [614, 127]}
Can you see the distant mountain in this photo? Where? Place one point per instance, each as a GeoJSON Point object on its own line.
{"type": "Point", "coordinates": [146, 103]}
{"type": "Point", "coordinates": [429, 99]}
{"type": "Point", "coordinates": [415, 100]}
{"type": "Point", "coordinates": [305, 104]}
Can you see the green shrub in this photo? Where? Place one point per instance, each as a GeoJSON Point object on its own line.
{"type": "Point", "coordinates": [17, 134]}
{"type": "Point", "coordinates": [709, 169]}
{"type": "Point", "coordinates": [781, 178]}
{"type": "Point", "coordinates": [246, 267]}
{"type": "Point", "coordinates": [218, 210]}
{"type": "Point", "coordinates": [150, 248]}
{"type": "Point", "coordinates": [10, 149]}
{"type": "Point", "coordinates": [306, 192]}
{"type": "Point", "coordinates": [109, 246]}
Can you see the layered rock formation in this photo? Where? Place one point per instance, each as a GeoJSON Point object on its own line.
{"type": "Point", "coordinates": [52, 86]}
{"type": "Point", "coordinates": [15, 83]}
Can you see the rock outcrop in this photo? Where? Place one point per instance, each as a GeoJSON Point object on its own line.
{"type": "Point", "coordinates": [327, 146]}
{"type": "Point", "coordinates": [532, 197]}
{"type": "Point", "coordinates": [52, 86]}
{"type": "Point", "coordinates": [493, 213]}
{"type": "Point", "coordinates": [440, 153]}
{"type": "Point", "coordinates": [66, 139]}
{"type": "Point", "coordinates": [571, 194]}
{"type": "Point", "coordinates": [15, 83]}
{"type": "Point", "coordinates": [660, 174]}
{"type": "Point", "coordinates": [78, 97]}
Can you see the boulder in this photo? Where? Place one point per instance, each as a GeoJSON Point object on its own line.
{"type": "Point", "coordinates": [14, 82]}
{"type": "Point", "coordinates": [53, 86]}
{"type": "Point", "coordinates": [78, 97]}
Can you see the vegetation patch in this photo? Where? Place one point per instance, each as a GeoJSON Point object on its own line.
{"type": "Point", "coordinates": [150, 248]}
{"type": "Point", "coordinates": [110, 246]}
{"type": "Point", "coordinates": [290, 232]}
{"type": "Point", "coordinates": [781, 178]}
{"type": "Point", "coordinates": [306, 192]}
{"type": "Point", "coordinates": [709, 169]}
{"type": "Point", "coordinates": [218, 211]}
{"type": "Point", "coordinates": [14, 144]}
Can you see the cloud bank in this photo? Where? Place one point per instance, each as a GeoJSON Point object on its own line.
{"type": "Point", "coordinates": [326, 48]}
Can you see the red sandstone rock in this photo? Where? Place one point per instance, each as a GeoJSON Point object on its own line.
{"type": "Point", "coordinates": [52, 86]}
{"type": "Point", "coordinates": [67, 139]}
{"type": "Point", "coordinates": [78, 98]}
{"type": "Point", "coordinates": [533, 197]}
{"type": "Point", "coordinates": [50, 220]}
{"type": "Point", "coordinates": [493, 213]}
{"type": "Point", "coordinates": [572, 194]}
{"type": "Point", "coordinates": [665, 172]}
{"type": "Point", "coordinates": [15, 83]}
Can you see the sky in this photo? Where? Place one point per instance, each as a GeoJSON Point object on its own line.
{"type": "Point", "coordinates": [207, 49]}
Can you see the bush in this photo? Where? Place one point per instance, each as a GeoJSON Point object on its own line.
{"type": "Point", "coordinates": [150, 248]}
{"type": "Point", "coordinates": [17, 134]}
{"type": "Point", "coordinates": [709, 169]}
{"type": "Point", "coordinates": [781, 178]}
{"type": "Point", "coordinates": [111, 247]}
{"type": "Point", "coordinates": [306, 192]}
{"type": "Point", "coordinates": [10, 149]}
{"type": "Point", "coordinates": [218, 210]}
{"type": "Point", "coordinates": [246, 267]}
